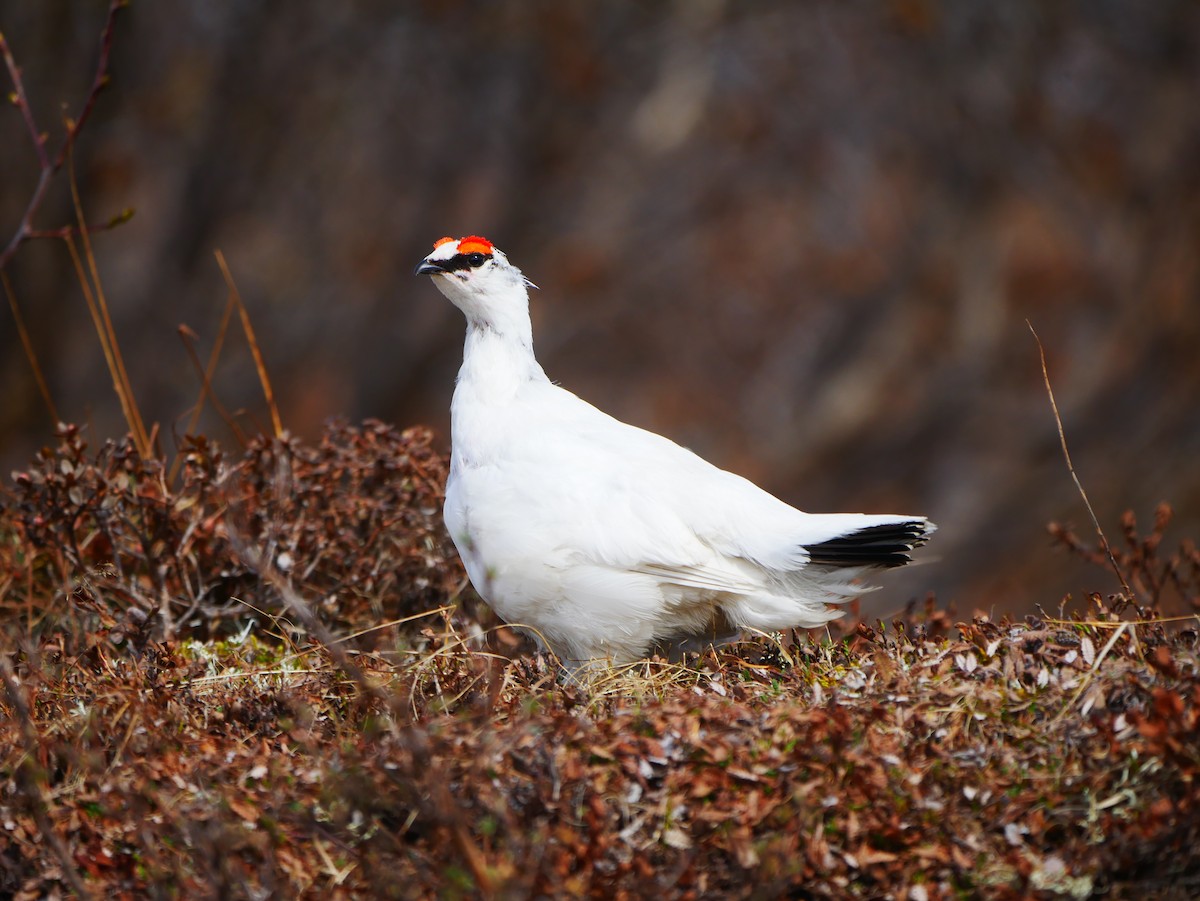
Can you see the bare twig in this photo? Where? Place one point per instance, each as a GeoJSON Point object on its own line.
{"type": "Point", "coordinates": [205, 374]}
{"type": "Point", "coordinates": [49, 167]}
{"type": "Point", "coordinates": [70, 231]}
{"type": "Point", "coordinates": [30, 782]}
{"type": "Point", "coordinates": [210, 371]}
{"type": "Point", "coordinates": [1062, 437]}
{"type": "Point", "coordinates": [21, 100]}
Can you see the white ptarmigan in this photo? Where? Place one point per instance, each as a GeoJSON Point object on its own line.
{"type": "Point", "coordinates": [609, 541]}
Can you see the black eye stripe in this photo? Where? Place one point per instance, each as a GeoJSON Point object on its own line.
{"type": "Point", "coordinates": [462, 261]}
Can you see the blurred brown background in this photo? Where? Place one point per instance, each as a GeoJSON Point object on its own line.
{"type": "Point", "coordinates": [801, 238]}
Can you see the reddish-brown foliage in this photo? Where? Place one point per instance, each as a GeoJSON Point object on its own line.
{"type": "Point", "coordinates": [919, 758]}
{"type": "Point", "coordinates": [353, 523]}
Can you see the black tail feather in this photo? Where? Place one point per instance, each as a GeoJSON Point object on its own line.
{"type": "Point", "coordinates": [887, 545]}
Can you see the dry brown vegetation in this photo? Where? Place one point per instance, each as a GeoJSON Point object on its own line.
{"type": "Point", "coordinates": [257, 672]}
{"type": "Point", "coordinates": [171, 729]}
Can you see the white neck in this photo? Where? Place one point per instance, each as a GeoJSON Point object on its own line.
{"type": "Point", "coordinates": [496, 367]}
{"type": "Point", "coordinates": [498, 354]}
{"type": "Point", "coordinates": [497, 362]}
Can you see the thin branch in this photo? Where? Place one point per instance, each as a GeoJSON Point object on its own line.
{"type": "Point", "coordinates": [99, 82]}
{"type": "Point", "coordinates": [187, 336]}
{"type": "Point", "coordinates": [21, 101]}
{"type": "Point", "coordinates": [47, 166]}
{"type": "Point", "coordinates": [1062, 437]}
{"type": "Point", "coordinates": [71, 231]}
{"type": "Point", "coordinates": [210, 372]}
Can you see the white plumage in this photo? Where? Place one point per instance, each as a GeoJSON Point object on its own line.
{"type": "Point", "coordinates": [606, 540]}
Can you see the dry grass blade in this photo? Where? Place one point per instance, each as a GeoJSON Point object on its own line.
{"type": "Point", "coordinates": [268, 393]}
{"type": "Point", "coordinates": [211, 370]}
{"type": "Point", "coordinates": [1111, 624]}
{"type": "Point", "coordinates": [1104, 651]}
{"type": "Point", "coordinates": [1062, 437]}
{"type": "Point", "coordinates": [436, 611]}
{"type": "Point", "coordinates": [98, 306]}
{"type": "Point", "coordinates": [27, 344]}
{"type": "Point", "coordinates": [205, 374]}
{"type": "Point", "coordinates": [251, 674]}
{"type": "Point", "coordinates": [97, 322]}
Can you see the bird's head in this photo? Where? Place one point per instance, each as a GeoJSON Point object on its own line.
{"type": "Point", "coordinates": [477, 277]}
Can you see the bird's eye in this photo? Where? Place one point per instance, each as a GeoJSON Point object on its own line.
{"type": "Point", "coordinates": [476, 259]}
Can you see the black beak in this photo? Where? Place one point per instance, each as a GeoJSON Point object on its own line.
{"type": "Point", "coordinates": [425, 267]}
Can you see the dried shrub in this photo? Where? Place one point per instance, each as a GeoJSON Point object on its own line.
{"type": "Point", "coordinates": [353, 524]}
{"type": "Point", "coordinates": [921, 758]}
{"type": "Point", "coordinates": [1015, 760]}
{"type": "Point", "coordinates": [1160, 583]}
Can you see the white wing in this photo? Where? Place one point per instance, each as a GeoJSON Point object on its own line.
{"type": "Point", "coordinates": [617, 496]}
